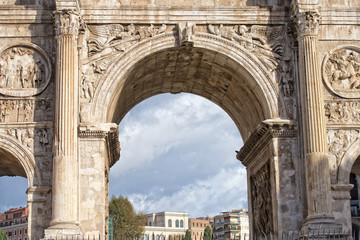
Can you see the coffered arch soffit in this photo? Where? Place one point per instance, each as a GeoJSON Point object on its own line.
{"type": "Point", "coordinates": [213, 67]}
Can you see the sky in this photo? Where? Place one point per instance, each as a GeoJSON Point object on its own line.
{"type": "Point", "coordinates": [177, 154]}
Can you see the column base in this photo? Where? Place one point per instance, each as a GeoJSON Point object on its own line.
{"type": "Point", "coordinates": [61, 230]}
{"type": "Point", "coordinates": [321, 224]}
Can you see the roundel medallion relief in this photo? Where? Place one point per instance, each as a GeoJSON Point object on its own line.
{"type": "Point", "coordinates": [341, 71]}
{"type": "Point", "coordinates": [24, 71]}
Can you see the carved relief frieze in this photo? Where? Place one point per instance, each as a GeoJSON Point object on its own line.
{"type": "Point", "coordinates": [338, 112]}
{"type": "Point", "coordinates": [339, 141]}
{"type": "Point", "coordinates": [341, 71]}
{"type": "Point", "coordinates": [25, 110]}
{"type": "Point", "coordinates": [261, 201]}
{"type": "Point", "coordinates": [108, 39]}
{"type": "Point", "coordinates": [37, 140]}
{"type": "Point", "coordinates": [24, 71]}
{"type": "Point", "coordinates": [264, 42]}
{"type": "Point", "coordinates": [286, 169]}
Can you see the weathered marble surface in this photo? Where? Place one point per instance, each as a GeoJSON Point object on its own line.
{"type": "Point", "coordinates": [287, 73]}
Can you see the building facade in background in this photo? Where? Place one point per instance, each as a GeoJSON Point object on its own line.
{"type": "Point", "coordinates": [14, 223]}
{"type": "Point", "coordinates": [232, 225]}
{"type": "Point", "coordinates": [166, 225]}
{"type": "Point", "coordinates": [197, 226]}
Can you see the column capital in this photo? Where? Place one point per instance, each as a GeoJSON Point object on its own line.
{"type": "Point", "coordinates": [307, 23]}
{"type": "Point", "coordinates": [67, 22]}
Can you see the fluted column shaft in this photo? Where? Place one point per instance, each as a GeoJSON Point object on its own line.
{"type": "Point", "coordinates": [65, 162]}
{"type": "Point", "coordinates": [313, 121]}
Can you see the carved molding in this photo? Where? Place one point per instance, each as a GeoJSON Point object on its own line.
{"type": "Point", "coordinates": [307, 23]}
{"type": "Point", "coordinates": [262, 135]}
{"type": "Point", "coordinates": [67, 22]}
{"type": "Point", "coordinates": [25, 70]}
{"type": "Point", "coordinates": [341, 191]}
{"type": "Point", "coordinates": [109, 133]}
{"type": "Point", "coordinates": [341, 71]}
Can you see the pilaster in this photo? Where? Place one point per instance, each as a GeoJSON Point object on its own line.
{"type": "Point", "coordinates": [99, 149]}
{"type": "Point", "coordinates": [65, 163]}
{"type": "Point", "coordinates": [319, 210]}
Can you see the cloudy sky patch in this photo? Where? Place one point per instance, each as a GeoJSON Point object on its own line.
{"type": "Point", "coordinates": [178, 154]}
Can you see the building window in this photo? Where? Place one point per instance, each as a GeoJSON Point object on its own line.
{"type": "Point", "coordinates": [15, 232]}
{"type": "Point", "coordinates": [177, 223]}
{"type": "Point", "coordinates": [181, 223]}
{"type": "Point", "coordinates": [25, 230]}
{"type": "Point", "coordinates": [169, 223]}
{"type": "Point", "coordinates": [9, 234]}
{"type": "Point", "coordinates": [20, 232]}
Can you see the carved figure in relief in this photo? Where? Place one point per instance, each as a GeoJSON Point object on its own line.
{"type": "Point", "coordinates": [342, 112]}
{"type": "Point", "coordinates": [43, 138]}
{"type": "Point", "coordinates": [24, 136]}
{"type": "Point", "coordinates": [22, 68]}
{"type": "Point", "coordinates": [116, 37]}
{"type": "Point", "coordinates": [261, 197]}
{"type": "Point", "coordinates": [286, 81]}
{"type": "Point", "coordinates": [186, 30]}
{"type": "Point", "coordinates": [342, 72]}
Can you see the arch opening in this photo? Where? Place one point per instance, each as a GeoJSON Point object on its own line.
{"type": "Point", "coordinates": [204, 72]}
{"type": "Point", "coordinates": [195, 164]}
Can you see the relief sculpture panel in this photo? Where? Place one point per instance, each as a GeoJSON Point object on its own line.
{"type": "Point", "coordinates": [261, 198]}
{"type": "Point", "coordinates": [341, 71]}
{"type": "Point", "coordinates": [24, 71]}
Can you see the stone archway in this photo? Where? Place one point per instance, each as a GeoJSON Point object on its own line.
{"type": "Point", "coordinates": [225, 73]}
{"type": "Point", "coordinates": [214, 55]}
{"type": "Point", "coordinates": [17, 160]}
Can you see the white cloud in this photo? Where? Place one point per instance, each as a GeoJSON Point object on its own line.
{"type": "Point", "coordinates": [222, 192]}
{"type": "Point", "coordinates": [157, 129]}
{"type": "Point", "coordinates": [178, 154]}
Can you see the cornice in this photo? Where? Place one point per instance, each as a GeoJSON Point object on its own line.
{"type": "Point", "coordinates": [108, 132]}
{"type": "Point", "coordinates": [106, 15]}
{"type": "Point", "coordinates": [267, 130]}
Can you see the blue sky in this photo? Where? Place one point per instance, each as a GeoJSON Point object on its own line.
{"type": "Point", "coordinates": [177, 154]}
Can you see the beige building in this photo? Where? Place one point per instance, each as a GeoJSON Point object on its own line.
{"type": "Point", "coordinates": [232, 225]}
{"type": "Point", "coordinates": [198, 225]}
{"type": "Point", "coordinates": [166, 225]}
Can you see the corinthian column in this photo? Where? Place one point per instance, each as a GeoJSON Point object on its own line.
{"type": "Point", "coordinates": [65, 161]}
{"type": "Point", "coordinates": [313, 124]}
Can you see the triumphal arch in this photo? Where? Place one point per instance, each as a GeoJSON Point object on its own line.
{"type": "Point", "coordinates": [286, 71]}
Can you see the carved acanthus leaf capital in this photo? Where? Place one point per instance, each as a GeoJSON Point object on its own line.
{"type": "Point", "coordinates": [67, 21]}
{"type": "Point", "coordinates": [307, 23]}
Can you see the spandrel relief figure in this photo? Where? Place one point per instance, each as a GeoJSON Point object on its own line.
{"type": "Point", "coordinates": [24, 71]}
{"type": "Point", "coordinates": [256, 39]}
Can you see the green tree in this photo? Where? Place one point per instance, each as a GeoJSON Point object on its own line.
{"type": "Point", "coordinates": [207, 233]}
{"type": "Point", "coordinates": [126, 222]}
{"type": "Point", "coordinates": [187, 235]}
{"type": "Point", "coordinates": [3, 235]}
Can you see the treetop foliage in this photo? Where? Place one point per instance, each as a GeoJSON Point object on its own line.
{"type": "Point", "coordinates": [126, 222]}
